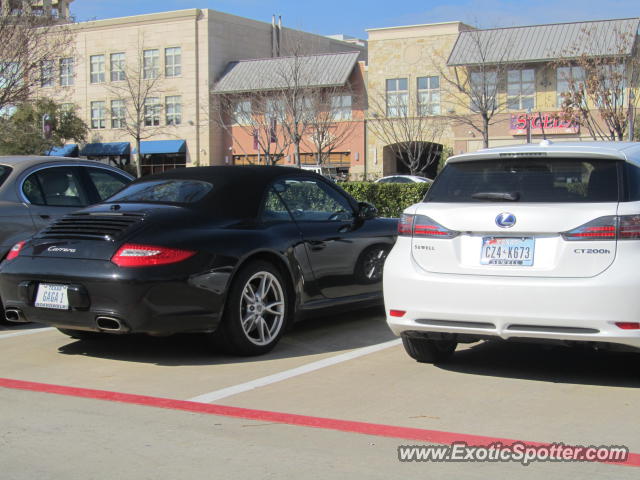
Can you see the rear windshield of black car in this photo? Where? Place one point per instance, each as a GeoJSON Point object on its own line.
{"type": "Point", "coordinates": [163, 191]}
{"type": "Point", "coordinates": [552, 180]}
{"type": "Point", "coordinates": [4, 173]}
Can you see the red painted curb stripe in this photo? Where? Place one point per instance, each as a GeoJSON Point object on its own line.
{"type": "Point", "coordinates": [406, 433]}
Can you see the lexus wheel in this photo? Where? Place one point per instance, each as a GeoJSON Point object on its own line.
{"type": "Point", "coordinates": [424, 350]}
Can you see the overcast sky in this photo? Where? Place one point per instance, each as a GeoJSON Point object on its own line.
{"type": "Point", "coordinates": [352, 17]}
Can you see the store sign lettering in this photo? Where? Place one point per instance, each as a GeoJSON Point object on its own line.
{"type": "Point", "coordinates": [553, 123]}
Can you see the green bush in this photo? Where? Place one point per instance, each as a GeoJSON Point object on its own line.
{"type": "Point", "coordinates": [389, 198]}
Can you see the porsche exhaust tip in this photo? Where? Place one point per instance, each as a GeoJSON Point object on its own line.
{"type": "Point", "coordinates": [111, 324]}
{"type": "Point", "coordinates": [14, 315]}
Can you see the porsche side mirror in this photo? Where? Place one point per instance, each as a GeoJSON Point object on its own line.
{"type": "Point", "coordinates": [366, 211]}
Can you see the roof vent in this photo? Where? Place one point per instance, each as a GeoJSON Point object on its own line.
{"type": "Point", "coordinates": [546, 143]}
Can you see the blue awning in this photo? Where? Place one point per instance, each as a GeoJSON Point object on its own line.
{"type": "Point", "coordinates": [151, 147]}
{"type": "Point", "coordinates": [105, 149]}
{"type": "Point", "coordinates": [70, 150]}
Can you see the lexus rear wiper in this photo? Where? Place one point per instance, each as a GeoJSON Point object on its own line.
{"type": "Point", "coordinates": [497, 196]}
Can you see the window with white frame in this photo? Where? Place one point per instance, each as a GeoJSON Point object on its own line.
{"type": "Point", "coordinates": [484, 90]}
{"type": "Point", "coordinates": [117, 61]}
{"type": "Point", "coordinates": [46, 73]}
{"type": "Point", "coordinates": [10, 74]}
{"type": "Point", "coordinates": [151, 63]}
{"type": "Point", "coordinates": [276, 109]}
{"type": "Point", "coordinates": [96, 69]}
{"type": "Point", "coordinates": [568, 79]}
{"type": "Point", "coordinates": [242, 112]}
{"type": "Point", "coordinates": [428, 96]}
{"type": "Point", "coordinates": [118, 114]}
{"type": "Point", "coordinates": [98, 114]}
{"type": "Point", "coordinates": [66, 72]}
{"type": "Point", "coordinates": [152, 108]}
{"type": "Point", "coordinates": [614, 84]}
{"type": "Point", "coordinates": [173, 62]}
{"type": "Point", "coordinates": [173, 110]}
{"type": "Point", "coordinates": [341, 108]}
{"type": "Point", "coordinates": [521, 89]}
{"type": "Point", "coordinates": [397, 97]}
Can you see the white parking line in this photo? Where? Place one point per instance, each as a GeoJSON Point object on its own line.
{"type": "Point", "coordinates": [294, 372]}
{"type": "Point", "coordinates": [26, 332]}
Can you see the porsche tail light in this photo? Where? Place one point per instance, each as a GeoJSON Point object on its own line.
{"type": "Point", "coordinates": [624, 227]}
{"type": "Point", "coordinates": [134, 255]}
{"type": "Point", "coordinates": [15, 250]}
{"type": "Point", "coordinates": [425, 227]}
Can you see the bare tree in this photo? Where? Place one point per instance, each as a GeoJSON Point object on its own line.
{"type": "Point", "coordinates": [31, 47]}
{"type": "Point", "coordinates": [256, 115]}
{"type": "Point", "coordinates": [472, 86]}
{"type": "Point", "coordinates": [136, 107]}
{"type": "Point", "coordinates": [598, 82]}
{"type": "Point", "coordinates": [414, 138]}
{"type": "Point", "coordinates": [329, 125]}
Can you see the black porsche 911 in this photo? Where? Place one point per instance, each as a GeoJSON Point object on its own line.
{"type": "Point", "coordinates": [235, 252]}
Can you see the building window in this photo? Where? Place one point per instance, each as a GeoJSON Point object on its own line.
{"type": "Point", "coordinates": [341, 107]}
{"type": "Point", "coordinates": [10, 74]}
{"type": "Point", "coordinates": [96, 68]}
{"type": "Point", "coordinates": [118, 114]}
{"type": "Point", "coordinates": [565, 78]}
{"type": "Point", "coordinates": [66, 72]}
{"type": "Point", "coordinates": [117, 67]}
{"type": "Point", "coordinates": [151, 63]}
{"type": "Point", "coordinates": [428, 96]}
{"type": "Point", "coordinates": [152, 109]}
{"type": "Point", "coordinates": [242, 112]}
{"type": "Point", "coordinates": [521, 89]}
{"type": "Point", "coordinates": [484, 91]}
{"type": "Point", "coordinates": [276, 110]}
{"type": "Point", "coordinates": [397, 97]}
{"type": "Point", "coordinates": [173, 62]}
{"type": "Point", "coordinates": [173, 107]}
{"type": "Point", "coordinates": [98, 114]}
{"type": "Point", "coordinates": [46, 73]}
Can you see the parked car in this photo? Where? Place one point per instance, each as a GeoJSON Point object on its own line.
{"type": "Point", "coordinates": [536, 242]}
{"type": "Point", "coordinates": [35, 191]}
{"type": "Point", "coordinates": [404, 179]}
{"type": "Point", "coordinates": [234, 252]}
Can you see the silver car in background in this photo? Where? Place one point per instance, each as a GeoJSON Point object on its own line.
{"type": "Point", "coordinates": [35, 191]}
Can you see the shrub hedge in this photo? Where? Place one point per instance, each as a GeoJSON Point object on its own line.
{"type": "Point", "coordinates": [389, 198]}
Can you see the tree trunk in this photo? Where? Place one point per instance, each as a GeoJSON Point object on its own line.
{"type": "Point", "coordinates": [297, 153]}
{"type": "Point", "coordinates": [136, 159]}
{"type": "Point", "coordinates": [485, 132]}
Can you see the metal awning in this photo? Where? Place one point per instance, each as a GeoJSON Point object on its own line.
{"type": "Point", "coordinates": [151, 147]}
{"type": "Point", "coordinates": [112, 149]}
{"type": "Point", "coordinates": [69, 150]}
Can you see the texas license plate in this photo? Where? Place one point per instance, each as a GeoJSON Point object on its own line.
{"type": "Point", "coordinates": [52, 296]}
{"type": "Point", "coordinates": [507, 251]}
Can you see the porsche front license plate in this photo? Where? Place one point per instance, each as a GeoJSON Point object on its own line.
{"type": "Point", "coordinates": [52, 296]}
{"type": "Point", "coordinates": [507, 251]}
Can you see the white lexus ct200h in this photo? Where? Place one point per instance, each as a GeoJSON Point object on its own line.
{"type": "Point", "coordinates": [532, 242]}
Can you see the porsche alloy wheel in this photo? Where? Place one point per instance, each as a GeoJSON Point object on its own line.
{"type": "Point", "coordinates": [262, 308]}
{"type": "Point", "coordinates": [257, 310]}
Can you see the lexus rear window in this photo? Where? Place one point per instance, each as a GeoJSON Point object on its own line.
{"type": "Point", "coordinates": [552, 180]}
{"type": "Point", "coordinates": [163, 191]}
{"type": "Point", "coordinates": [4, 173]}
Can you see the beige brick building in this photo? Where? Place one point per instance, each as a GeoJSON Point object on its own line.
{"type": "Point", "coordinates": [188, 50]}
{"type": "Point", "coordinates": [406, 65]}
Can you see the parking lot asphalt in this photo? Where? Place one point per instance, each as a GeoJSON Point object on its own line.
{"type": "Point", "coordinates": [348, 367]}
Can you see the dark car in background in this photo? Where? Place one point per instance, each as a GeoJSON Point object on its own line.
{"type": "Point", "coordinates": [35, 191]}
{"type": "Point", "coordinates": [234, 252]}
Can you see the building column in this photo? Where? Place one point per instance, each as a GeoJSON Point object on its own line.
{"type": "Point", "coordinates": [47, 7]}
